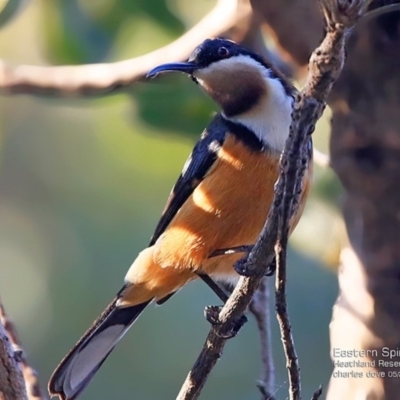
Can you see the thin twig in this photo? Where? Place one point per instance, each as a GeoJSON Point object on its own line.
{"type": "Point", "coordinates": [284, 322]}
{"type": "Point", "coordinates": [96, 79]}
{"type": "Point", "coordinates": [260, 308]}
{"type": "Point", "coordinates": [30, 375]}
{"type": "Point", "coordinates": [317, 394]}
{"type": "Point", "coordinates": [325, 66]}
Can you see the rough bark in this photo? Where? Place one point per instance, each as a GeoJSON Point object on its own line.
{"type": "Point", "coordinates": [12, 384]}
{"type": "Point", "coordinates": [29, 375]}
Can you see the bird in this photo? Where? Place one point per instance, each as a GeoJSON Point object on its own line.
{"type": "Point", "coordinates": [216, 209]}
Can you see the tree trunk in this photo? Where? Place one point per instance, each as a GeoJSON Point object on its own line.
{"type": "Point", "coordinates": [365, 151]}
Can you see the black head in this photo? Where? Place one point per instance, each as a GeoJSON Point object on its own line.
{"type": "Point", "coordinates": [213, 50]}
{"type": "Point", "coordinates": [207, 53]}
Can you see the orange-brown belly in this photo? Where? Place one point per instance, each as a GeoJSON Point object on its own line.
{"type": "Point", "coordinates": [227, 209]}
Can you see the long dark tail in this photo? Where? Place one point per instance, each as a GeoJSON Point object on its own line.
{"type": "Point", "coordinates": [80, 365]}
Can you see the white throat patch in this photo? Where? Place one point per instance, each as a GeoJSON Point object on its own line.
{"type": "Point", "coordinates": [270, 118]}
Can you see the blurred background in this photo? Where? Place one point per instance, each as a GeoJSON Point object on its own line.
{"type": "Point", "coordinates": [82, 185]}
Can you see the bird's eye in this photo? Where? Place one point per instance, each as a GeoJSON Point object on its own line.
{"type": "Point", "coordinates": [223, 52]}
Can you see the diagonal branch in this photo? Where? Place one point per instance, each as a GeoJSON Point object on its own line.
{"type": "Point", "coordinates": [230, 18]}
{"type": "Point", "coordinates": [325, 65]}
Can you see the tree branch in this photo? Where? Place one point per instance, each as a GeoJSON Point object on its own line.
{"type": "Point", "coordinates": [260, 308]}
{"type": "Point", "coordinates": [232, 18]}
{"type": "Point", "coordinates": [285, 328]}
{"type": "Point", "coordinates": [324, 68]}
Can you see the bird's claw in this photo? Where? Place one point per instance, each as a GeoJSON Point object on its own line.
{"type": "Point", "coordinates": [242, 269]}
{"type": "Point", "coordinates": [212, 315]}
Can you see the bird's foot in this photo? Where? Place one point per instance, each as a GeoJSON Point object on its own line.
{"type": "Point", "coordinates": [243, 269]}
{"type": "Point", "coordinates": [212, 315]}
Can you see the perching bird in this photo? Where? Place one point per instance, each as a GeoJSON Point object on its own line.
{"type": "Point", "coordinates": [220, 201]}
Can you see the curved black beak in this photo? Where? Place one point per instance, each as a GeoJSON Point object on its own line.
{"type": "Point", "coordinates": [186, 67]}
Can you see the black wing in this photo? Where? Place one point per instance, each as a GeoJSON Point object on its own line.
{"type": "Point", "coordinates": [196, 167]}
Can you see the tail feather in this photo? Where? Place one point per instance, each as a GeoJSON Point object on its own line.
{"type": "Point", "coordinates": [80, 365]}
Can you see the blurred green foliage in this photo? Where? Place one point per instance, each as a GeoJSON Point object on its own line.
{"type": "Point", "coordinates": [82, 185]}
